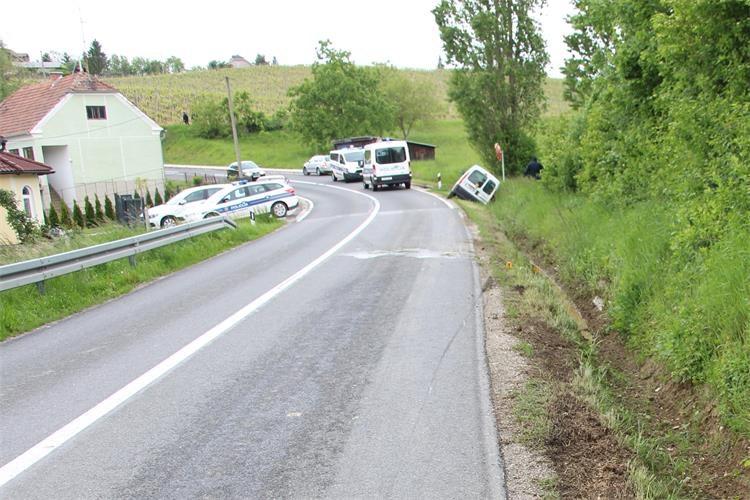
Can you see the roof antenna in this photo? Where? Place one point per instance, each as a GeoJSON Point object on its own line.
{"type": "Point", "coordinates": [83, 41]}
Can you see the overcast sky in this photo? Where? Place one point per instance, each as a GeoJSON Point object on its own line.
{"type": "Point", "coordinates": [399, 32]}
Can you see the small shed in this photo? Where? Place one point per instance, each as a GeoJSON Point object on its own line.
{"type": "Point", "coordinates": [421, 151]}
{"type": "Point", "coordinates": [417, 150]}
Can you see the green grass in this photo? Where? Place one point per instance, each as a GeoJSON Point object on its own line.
{"type": "Point", "coordinates": [23, 309]}
{"type": "Point", "coordinates": [530, 410]}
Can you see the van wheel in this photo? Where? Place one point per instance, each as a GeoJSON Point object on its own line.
{"type": "Point", "coordinates": [304, 171]}
{"type": "Point", "coordinates": [279, 209]}
{"type": "Point", "coordinates": [317, 171]}
{"type": "Point", "coordinates": [333, 176]}
{"type": "Point", "coordinates": [374, 187]}
{"type": "Point", "coordinates": [407, 185]}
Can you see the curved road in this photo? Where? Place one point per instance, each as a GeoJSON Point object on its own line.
{"type": "Point", "coordinates": [363, 377]}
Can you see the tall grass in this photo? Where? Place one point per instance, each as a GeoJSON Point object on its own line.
{"type": "Point", "coordinates": [23, 309]}
{"type": "Point", "coordinates": [694, 316]}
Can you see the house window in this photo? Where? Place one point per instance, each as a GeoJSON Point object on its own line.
{"type": "Point", "coordinates": [96, 113]}
{"type": "Point", "coordinates": [28, 202]}
{"type": "Point", "coordinates": [14, 151]}
{"type": "Point", "coordinates": [28, 153]}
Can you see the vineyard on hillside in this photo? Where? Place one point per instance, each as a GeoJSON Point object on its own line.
{"type": "Point", "coordinates": [165, 97]}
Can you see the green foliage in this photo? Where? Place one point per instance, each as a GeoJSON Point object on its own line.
{"type": "Point", "coordinates": [149, 201]}
{"type": "Point", "coordinates": [24, 227]}
{"type": "Point", "coordinates": [23, 309]}
{"type": "Point", "coordinates": [414, 99]}
{"type": "Point", "coordinates": [498, 86]}
{"type": "Point", "coordinates": [53, 219]}
{"type": "Point", "coordinates": [66, 220]}
{"type": "Point", "coordinates": [109, 209]}
{"type": "Point", "coordinates": [158, 200]}
{"type": "Point", "coordinates": [211, 117]}
{"type": "Point", "coordinates": [689, 311]}
{"type": "Point", "coordinates": [78, 218]}
{"type": "Point", "coordinates": [98, 212]}
{"type": "Point", "coordinates": [89, 213]}
{"type": "Point", "coordinates": [341, 100]}
{"type": "Point", "coordinates": [95, 59]}
{"type": "Point", "coordinates": [11, 77]}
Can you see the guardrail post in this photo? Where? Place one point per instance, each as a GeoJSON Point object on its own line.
{"type": "Point", "coordinates": [40, 287]}
{"type": "Point", "coordinates": [131, 259]}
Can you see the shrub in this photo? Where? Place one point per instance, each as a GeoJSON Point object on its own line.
{"type": "Point", "coordinates": [98, 212]}
{"type": "Point", "coordinates": [89, 212]}
{"type": "Point", "coordinates": [53, 219]}
{"type": "Point", "coordinates": [157, 198]}
{"type": "Point", "coordinates": [78, 218]}
{"type": "Point", "coordinates": [23, 226]}
{"type": "Point", "coordinates": [109, 209]}
{"type": "Point", "coordinates": [66, 220]}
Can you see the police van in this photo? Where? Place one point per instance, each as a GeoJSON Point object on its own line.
{"type": "Point", "coordinates": [386, 163]}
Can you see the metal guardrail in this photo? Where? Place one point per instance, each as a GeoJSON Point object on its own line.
{"type": "Point", "coordinates": [38, 270]}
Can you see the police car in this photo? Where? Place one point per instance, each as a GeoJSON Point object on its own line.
{"type": "Point", "coordinates": [169, 213]}
{"type": "Point", "coordinates": [243, 197]}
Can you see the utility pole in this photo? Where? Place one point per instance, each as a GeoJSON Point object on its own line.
{"type": "Point", "coordinates": [234, 131]}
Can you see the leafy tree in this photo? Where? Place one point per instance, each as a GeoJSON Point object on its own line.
{"type": "Point", "coordinates": [498, 83]}
{"type": "Point", "coordinates": [210, 118]}
{"type": "Point", "coordinates": [68, 63]}
{"type": "Point", "coordinates": [120, 66]}
{"type": "Point", "coordinates": [218, 64]}
{"type": "Point", "coordinates": [109, 209]}
{"type": "Point", "coordinates": [260, 60]}
{"type": "Point", "coordinates": [341, 100]}
{"type": "Point", "coordinates": [174, 65]}
{"type": "Point", "coordinates": [413, 100]}
{"type": "Point", "coordinates": [46, 57]}
{"type": "Point", "coordinates": [23, 226]}
{"type": "Point", "coordinates": [95, 59]}
{"type": "Point", "coordinates": [78, 218]}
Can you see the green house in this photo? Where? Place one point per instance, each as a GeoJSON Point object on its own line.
{"type": "Point", "coordinates": [96, 140]}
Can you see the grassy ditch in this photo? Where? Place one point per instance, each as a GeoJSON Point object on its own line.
{"type": "Point", "coordinates": [622, 394]}
{"type": "Point", "coordinates": [23, 309]}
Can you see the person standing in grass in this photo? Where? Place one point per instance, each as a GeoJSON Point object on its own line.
{"type": "Point", "coordinates": [533, 169]}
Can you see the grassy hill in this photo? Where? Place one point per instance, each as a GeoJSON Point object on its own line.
{"type": "Point", "coordinates": [165, 97]}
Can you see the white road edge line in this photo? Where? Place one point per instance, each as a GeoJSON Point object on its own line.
{"type": "Point", "coordinates": [446, 202]}
{"type": "Point", "coordinates": [69, 431]}
{"type": "Point", "coordinates": [309, 209]}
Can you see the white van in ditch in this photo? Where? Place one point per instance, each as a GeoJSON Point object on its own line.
{"type": "Point", "coordinates": [387, 163]}
{"type": "Point", "coordinates": [477, 184]}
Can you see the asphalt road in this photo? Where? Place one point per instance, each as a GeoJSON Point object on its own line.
{"type": "Point", "coordinates": [364, 377]}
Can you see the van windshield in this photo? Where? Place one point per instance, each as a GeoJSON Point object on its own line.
{"type": "Point", "coordinates": [390, 155]}
{"type": "Point", "coordinates": [355, 155]}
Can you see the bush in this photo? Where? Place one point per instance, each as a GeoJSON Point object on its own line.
{"type": "Point", "coordinates": [89, 212]}
{"type": "Point", "coordinates": [98, 212]}
{"type": "Point", "coordinates": [78, 218]}
{"type": "Point", "coordinates": [157, 198]}
{"type": "Point", "coordinates": [24, 227]}
{"type": "Point", "coordinates": [53, 220]}
{"type": "Point", "coordinates": [66, 220]}
{"type": "Point", "coordinates": [109, 209]}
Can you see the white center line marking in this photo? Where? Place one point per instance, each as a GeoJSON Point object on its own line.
{"type": "Point", "coordinates": [69, 431]}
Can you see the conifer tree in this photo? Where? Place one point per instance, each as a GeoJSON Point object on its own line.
{"type": "Point", "coordinates": [98, 212]}
{"type": "Point", "coordinates": [66, 219]}
{"type": "Point", "coordinates": [78, 218]}
{"type": "Point", "coordinates": [109, 209]}
{"type": "Point", "coordinates": [53, 219]}
{"type": "Point", "coordinates": [89, 212]}
{"type": "Point", "coordinates": [158, 200]}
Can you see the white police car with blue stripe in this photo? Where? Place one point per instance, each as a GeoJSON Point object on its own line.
{"type": "Point", "coordinates": [243, 198]}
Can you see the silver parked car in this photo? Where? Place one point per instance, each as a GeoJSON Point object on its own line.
{"type": "Point", "coordinates": [318, 164]}
{"type": "Point", "coordinates": [250, 170]}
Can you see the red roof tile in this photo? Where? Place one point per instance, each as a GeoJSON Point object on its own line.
{"type": "Point", "coordinates": [14, 164]}
{"type": "Point", "coordinates": [26, 107]}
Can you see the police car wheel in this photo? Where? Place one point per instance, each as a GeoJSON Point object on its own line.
{"type": "Point", "coordinates": [279, 209]}
{"type": "Point", "coordinates": [168, 221]}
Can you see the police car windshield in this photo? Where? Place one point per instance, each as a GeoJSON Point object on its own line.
{"type": "Point", "coordinates": [355, 155]}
